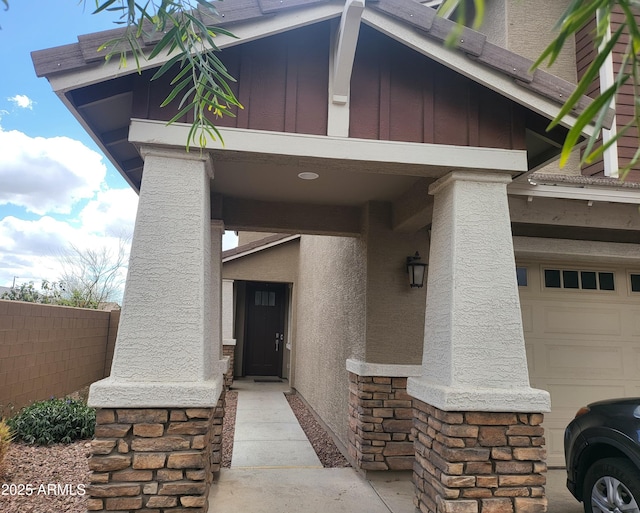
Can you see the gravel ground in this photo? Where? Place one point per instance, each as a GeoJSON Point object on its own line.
{"type": "Point", "coordinates": [52, 479]}
{"type": "Point", "coordinates": [322, 443]}
{"type": "Point", "coordinates": [45, 479]}
{"type": "Point", "coordinates": [231, 403]}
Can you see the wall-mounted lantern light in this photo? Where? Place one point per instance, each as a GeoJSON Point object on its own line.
{"type": "Point", "coordinates": [416, 269]}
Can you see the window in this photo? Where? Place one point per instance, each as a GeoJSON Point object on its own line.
{"type": "Point", "coordinates": [579, 280]}
{"type": "Point", "coordinates": [265, 298]}
{"type": "Point", "coordinates": [635, 282]}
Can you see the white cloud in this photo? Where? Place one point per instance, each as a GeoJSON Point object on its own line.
{"type": "Point", "coordinates": [28, 248]}
{"type": "Point", "coordinates": [22, 101]}
{"type": "Point", "coordinates": [47, 175]}
{"type": "Point", "coordinates": [112, 213]}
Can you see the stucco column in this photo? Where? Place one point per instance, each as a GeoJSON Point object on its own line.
{"type": "Point", "coordinates": [474, 354]}
{"type": "Point", "coordinates": [169, 348]}
{"type": "Point", "coordinates": [478, 437]}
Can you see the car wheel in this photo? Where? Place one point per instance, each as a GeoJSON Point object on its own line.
{"type": "Point", "coordinates": [612, 485]}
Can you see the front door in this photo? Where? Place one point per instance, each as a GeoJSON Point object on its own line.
{"type": "Point", "coordinates": [264, 336]}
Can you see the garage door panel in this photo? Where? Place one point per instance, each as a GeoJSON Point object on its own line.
{"type": "Point", "coordinates": [582, 321]}
{"type": "Point", "coordinates": [527, 318]}
{"type": "Point", "coordinates": [635, 323]}
{"type": "Point", "coordinates": [582, 360]}
{"type": "Point", "coordinates": [582, 346]}
{"type": "Point", "coordinates": [554, 435]}
{"type": "Point", "coordinates": [571, 395]}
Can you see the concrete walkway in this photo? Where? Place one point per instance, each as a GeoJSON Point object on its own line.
{"type": "Point", "coordinates": [274, 469]}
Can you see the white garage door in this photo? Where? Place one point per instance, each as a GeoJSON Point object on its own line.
{"type": "Point", "coordinates": [582, 333]}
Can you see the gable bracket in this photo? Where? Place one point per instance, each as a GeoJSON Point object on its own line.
{"type": "Point", "coordinates": [346, 50]}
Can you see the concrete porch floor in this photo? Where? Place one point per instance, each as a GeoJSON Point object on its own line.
{"type": "Point", "coordinates": [275, 470]}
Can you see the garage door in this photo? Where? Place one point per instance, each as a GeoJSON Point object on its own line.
{"type": "Point", "coordinates": [582, 333]}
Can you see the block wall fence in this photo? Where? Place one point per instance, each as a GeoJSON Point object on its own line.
{"type": "Point", "coordinates": [50, 350]}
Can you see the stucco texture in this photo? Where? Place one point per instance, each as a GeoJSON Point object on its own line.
{"type": "Point", "coordinates": [276, 264]}
{"type": "Point", "coordinates": [394, 310]}
{"type": "Point", "coordinates": [330, 324]}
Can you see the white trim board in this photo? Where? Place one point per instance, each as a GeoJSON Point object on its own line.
{"type": "Point", "coordinates": [444, 157]}
{"type": "Point", "coordinates": [388, 370]}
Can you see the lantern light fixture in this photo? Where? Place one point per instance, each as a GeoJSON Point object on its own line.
{"type": "Point", "coordinates": [416, 269]}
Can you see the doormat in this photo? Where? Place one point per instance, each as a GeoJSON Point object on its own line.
{"type": "Point", "coordinates": [267, 380]}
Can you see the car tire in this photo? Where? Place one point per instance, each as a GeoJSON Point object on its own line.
{"type": "Point", "coordinates": [612, 484]}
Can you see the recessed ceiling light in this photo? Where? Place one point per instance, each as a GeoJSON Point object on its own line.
{"type": "Point", "coordinates": [308, 175]}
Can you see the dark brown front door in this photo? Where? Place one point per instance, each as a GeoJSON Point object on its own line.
{"type": "Point", "coordinates": [265, 329]}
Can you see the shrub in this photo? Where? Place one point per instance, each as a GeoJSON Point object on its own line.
{"type": "Point", "coordinates": [54, 421]}
{"type": "Point", "coordinates": [5, 442]}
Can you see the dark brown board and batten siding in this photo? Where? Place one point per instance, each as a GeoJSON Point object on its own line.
{"type": "Point", "coordinates": [585, 54]}
{"type": "Point", "coordinates": [628, 143]}
{"type": "Point", "coordinates": [400, 95]}
{"type": "Point", "coordinates": [282, 82]}
{"type": "Point", "coordinates": [396, 93]}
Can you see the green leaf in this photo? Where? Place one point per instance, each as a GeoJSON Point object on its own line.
{"type": "Point", "coordinates": [101, 7]}
{"type": "Point", "coordinates": [169, 37]}
{"type": "Point", "coordinates": [587, 79]}
{"type": "Point", "coordinates": [176, 90]}
{"type": "Point", "coordinates": [583, 120]}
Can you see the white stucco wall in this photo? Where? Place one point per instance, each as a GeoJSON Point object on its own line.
{"type": "Point", "coordinates": [330, 324]}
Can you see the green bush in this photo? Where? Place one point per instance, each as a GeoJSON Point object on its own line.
{"type": "Point", "coordinates": [54, 421]}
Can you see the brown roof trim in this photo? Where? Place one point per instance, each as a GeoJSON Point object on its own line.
{"type": "Point", "coordinates": [256, 245]}
{"type": "Point", "coordinates": [552, 179]}
{"type": "Point", "coordinates": [420, 16]}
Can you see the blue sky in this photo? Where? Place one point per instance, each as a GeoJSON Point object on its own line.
{"type": "Point", "coordinates": [56, 187]}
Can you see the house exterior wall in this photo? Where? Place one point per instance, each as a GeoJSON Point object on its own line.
{"type": "Point", "coordinates": [330, 324]}
{"type": "Point", "coordinates": [49, 350]}
{"type": "Point", "coordinates": [394, 312]}
{"type": "Point", "coordinates": [526, 28]}
{"type": "Point", "coordinates": [628, 143]}
{"type": "Point", "coordinates": [280, 80]}
{"type": "Point", "coordinates": [585, 54]}
{"type": "Point", "coordinates": [278, 264]}
{"type": "Point", "coordinates": [403, 96]}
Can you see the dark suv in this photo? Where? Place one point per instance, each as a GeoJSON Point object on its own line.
{"type": "Point", "coordinates": [602, 452]}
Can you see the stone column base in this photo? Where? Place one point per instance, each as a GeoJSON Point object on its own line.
{"type": "Point", "coordinates": [478, 462]}
{"type": "Point", "coordinates": [380, 422]}
{"type": "Point", "coordinates": [160, 459]}
{"type": "Point", "coordinates": [229, 351]}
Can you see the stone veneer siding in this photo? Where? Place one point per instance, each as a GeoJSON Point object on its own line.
{"type": "Point", "coordinates": [478, 462]}
{"type": "Point", "coordinates": [159, 460]}
{"type": "Point", "coordinates": [228, 350]}
{"type": "Point", "coordinates": [380, 423]}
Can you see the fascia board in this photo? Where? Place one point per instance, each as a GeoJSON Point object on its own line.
{"type": "Point", "coordinates": [245, 32]}
{"type": "Point", "coordinates": [576, 192]}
